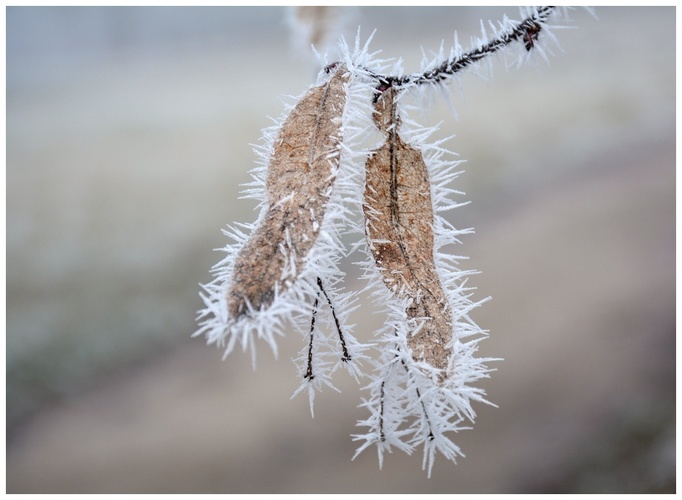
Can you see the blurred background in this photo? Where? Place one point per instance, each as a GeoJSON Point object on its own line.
{"type": "Point", "coordinates": [128, 136]}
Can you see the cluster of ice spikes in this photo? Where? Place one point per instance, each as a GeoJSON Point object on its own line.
{"type": "Point", "coordinates": [347, 158]}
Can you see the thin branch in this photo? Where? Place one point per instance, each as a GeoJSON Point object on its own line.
{"type": "Point", "coordinates": [526, 31]}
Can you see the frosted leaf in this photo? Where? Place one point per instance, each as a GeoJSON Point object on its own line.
{"type": "Point", "coordinates": [400, 231]}
{"type": "Point", "coordinates": [300, 176]}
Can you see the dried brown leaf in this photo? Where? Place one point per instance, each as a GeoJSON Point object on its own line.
{"type": "Point", "coordinates": [399, 215]}
{"type": "Point", "coordinates": [300, 176]}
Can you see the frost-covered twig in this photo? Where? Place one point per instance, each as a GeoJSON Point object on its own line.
{"type": "Point", "coordinates": [527, 31]}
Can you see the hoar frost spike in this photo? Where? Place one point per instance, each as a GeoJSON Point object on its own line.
{"type": "Point", "coordinates": [347, 158]}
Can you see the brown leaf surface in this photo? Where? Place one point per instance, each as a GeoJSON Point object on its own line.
{"type": "Point", "coordinates": [300, 176]}
{"type": "Point", "coordinates": [399, 225]}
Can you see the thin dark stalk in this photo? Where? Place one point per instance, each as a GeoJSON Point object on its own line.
{"type": "Point", "coordinates": [526, 31]}
{"type": "Point", "coordinates": [421, 401]}
{"type": "Point", "coordinates": [346, 355]}
{"type": "Point", "coordinates": [309, 371]}
{"type": "Point", "coordinates": [382, 435]}
{"type": "Point", "coordinates": [419, 397]}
